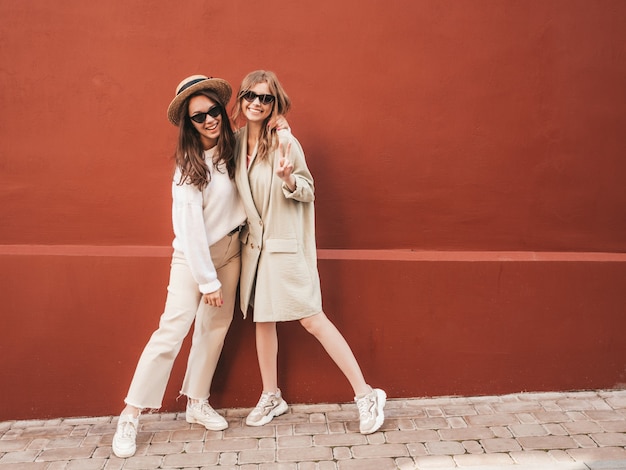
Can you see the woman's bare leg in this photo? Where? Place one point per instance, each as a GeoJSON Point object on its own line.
{"type": "Point", "coordinates": [338, 349]}
{"type": "Point", "coordinates": [267, 354]}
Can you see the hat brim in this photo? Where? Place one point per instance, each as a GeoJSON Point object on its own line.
{"type": "Point", "coordinates": [220, 87]}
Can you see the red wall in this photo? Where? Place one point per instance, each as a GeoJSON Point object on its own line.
{"type": "Point", "coordinates": [482, 141]}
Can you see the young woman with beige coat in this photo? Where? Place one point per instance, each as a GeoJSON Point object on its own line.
{"type": "Point", "coordinates": [279, 277]}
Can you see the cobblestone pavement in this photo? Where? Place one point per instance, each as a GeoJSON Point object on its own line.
{"type": "Point", "coordinates": [583, 430]}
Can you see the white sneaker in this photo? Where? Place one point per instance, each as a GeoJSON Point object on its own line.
{"type": "Point", "coordinates": [202, 413]}
{"type": "Point", "coordinates": [124, 440]}
{"type": "Point", "coordinates": [269, 406]}
{"type": "Point", "coordinates": [371, 410]}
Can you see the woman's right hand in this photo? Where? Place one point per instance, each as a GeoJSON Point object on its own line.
{"type": "Point", "coordinates": [214, 299]}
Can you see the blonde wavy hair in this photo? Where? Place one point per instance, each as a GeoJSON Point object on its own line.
{"type": "Point", "coordinates": [280, 106]}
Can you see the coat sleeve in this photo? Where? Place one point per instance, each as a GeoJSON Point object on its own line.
{"type": "Point", "coordinates": [305, 189]}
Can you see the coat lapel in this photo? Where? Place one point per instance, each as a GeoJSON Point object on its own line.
{"type": "Point", "coordinates": [243, 183]}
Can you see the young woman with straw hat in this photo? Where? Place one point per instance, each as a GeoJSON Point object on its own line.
{"type": "Point", "coordinates": [207, 216]}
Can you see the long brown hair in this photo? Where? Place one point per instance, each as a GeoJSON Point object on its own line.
{"type": "Point", "coordinates": [189, 154]}
{"type": "Point", "coordinates": [280, 106]}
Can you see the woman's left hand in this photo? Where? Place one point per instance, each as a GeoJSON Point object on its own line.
{"type": "Point", "coordinates": [214, 299]}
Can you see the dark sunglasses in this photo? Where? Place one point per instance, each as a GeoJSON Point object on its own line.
{"type": "Point", "coordinates": [263, 99]}
{"type": "Point", "coordinates": [201, 117]}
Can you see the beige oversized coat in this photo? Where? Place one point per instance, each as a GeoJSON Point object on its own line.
{"type": "Point", "coordinates": [279, 276]}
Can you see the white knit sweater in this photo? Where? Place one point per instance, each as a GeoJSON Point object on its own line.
{"type": "Point", "coordinates": [201, 218]}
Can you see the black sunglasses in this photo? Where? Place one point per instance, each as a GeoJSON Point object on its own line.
{"type": "Point", "coordinates": [201, 117]}
{"type": "Point", "coordinates": [250, 96]}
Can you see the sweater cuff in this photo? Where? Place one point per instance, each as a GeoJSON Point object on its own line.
{"type": "Point", "coordinates": [210, 286]}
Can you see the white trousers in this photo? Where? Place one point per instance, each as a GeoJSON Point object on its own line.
{"type": "Point", "coordinates": [183, 307]}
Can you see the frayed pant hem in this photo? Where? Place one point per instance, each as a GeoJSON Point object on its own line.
{"type": "Point", "coordinates": [143, 409]}
{"type": "Point", "coordinates": [189, 397]}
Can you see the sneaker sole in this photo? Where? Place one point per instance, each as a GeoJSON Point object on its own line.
{"type": "Point", "coordinates": [221, 427]}
{"type": "Point", "coordinates": [279, 410]}
{"type": "Point", "coordinates": [380, 412]}
{"type": "Point", "coordinates": [124, 455]}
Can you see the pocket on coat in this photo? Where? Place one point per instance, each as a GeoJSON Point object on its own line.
{"type": "Point", "coordinates": [281, 245]}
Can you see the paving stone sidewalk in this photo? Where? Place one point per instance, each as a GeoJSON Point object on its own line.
{"type": "Point", "coordinates": [583, 430]}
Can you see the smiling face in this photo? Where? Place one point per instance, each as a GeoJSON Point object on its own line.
{"type": "Point", "coordinates": [256, 111]}
{"type": "Point", "coordinates": [209, 129]}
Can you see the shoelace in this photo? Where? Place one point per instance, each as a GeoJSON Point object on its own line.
{"type": "Point", "coordinates": [205, 408]}
{"type": "Point", "coordinates": [364, 405]}
{"type": "Point", "coordinates": [128, 429]}
{"type": "Point", "coordinates": [265, 399]}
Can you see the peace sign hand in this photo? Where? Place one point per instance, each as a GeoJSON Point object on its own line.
{"type": "Point", "coordinates": [284, 170]}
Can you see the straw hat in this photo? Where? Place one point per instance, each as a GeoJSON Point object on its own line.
{"type": "Point", "coordinates": [194, 84]}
